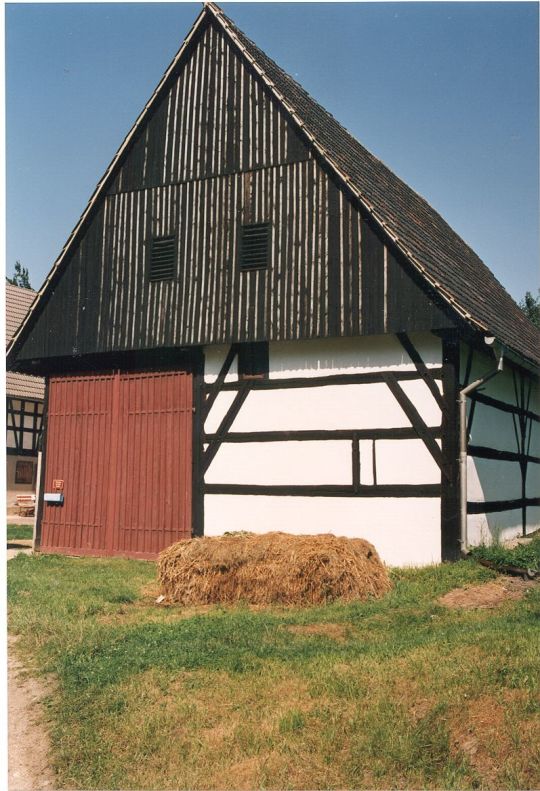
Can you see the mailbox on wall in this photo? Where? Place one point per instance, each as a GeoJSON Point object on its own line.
{"type": "Point", "coordinates": [54, 497]}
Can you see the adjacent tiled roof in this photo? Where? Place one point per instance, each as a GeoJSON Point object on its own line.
{"type": "Point", "coordinates": [18, 301]}
{"type": "Point", "coordinates": [421, 233]}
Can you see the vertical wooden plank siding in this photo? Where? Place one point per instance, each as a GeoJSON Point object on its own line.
{"type": "Point", "coordinates": [122, 444]}
{"type": "Point", "coordinates": [218, 151]}
{"type": "Point", "coordinates": [153, 496]}
{"type": "Point", "coordinates": [216, 117]}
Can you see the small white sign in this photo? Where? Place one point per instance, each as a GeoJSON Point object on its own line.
{"type": "Point", "coordinates": [53, 497]}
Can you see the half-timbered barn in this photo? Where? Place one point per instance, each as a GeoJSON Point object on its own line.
{"type": "Point", "coordinates": [24, 407]}
{"type": "Point", "coordinates": [256, 325]}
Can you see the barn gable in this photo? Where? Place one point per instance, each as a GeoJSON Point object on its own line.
{"type": "Point", "coordinates": [216, 150]}
{"type": "Point", "coordinates": [236, 211]}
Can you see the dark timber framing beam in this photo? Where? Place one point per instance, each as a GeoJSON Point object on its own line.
{"type": "Point", "coordinates": [414, 416]}
{"type": "Point", "coordinates": [225, 425]}
{"type": "Point", "coordinates": [41, 488]}
{"type": "Point", "coordinates": [522, 428]}
{"type": "Point", "coordinates": [450, 494]}
{"type": "Point", "coordinates": [324, 381]}
{"type": "Point", "coordinates": [503, 406]}
{"type": "Point", "coordinates": [422, 368]}
{"type": "Point", "coordinates": [401, 432]}
{"type": "Point", "coordinates": [496, 506]}
{"type": "Point", "coordinates": [213, 389]}
{"type": "Point", "coordinates": [322, 490]}
{"type": "Point", "coordinates": [481, 452]}
{"type": "Point", "coordinates": [197, 475]}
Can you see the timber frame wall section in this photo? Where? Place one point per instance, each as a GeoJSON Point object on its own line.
{"type": "Point", "coordinates": [523, 418]}
{"type": "Point", "coordinates": [445, 457]}
{"type": "Point", "coordinates": [17, 428]}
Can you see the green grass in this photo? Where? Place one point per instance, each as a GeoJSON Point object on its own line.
{"type": "Point", "coordinates": [525, 556]}
{"type": "Point", "coordinates": [15, 532]}
{"type": "Point", "coordinates": [399, 692]}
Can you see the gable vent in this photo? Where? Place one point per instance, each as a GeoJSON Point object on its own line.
{"type": "Point", "coordinates": [254, 246]}
{"type": "Point", "coordinates": [163, 258]}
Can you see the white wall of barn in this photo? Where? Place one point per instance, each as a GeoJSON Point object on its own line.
{"type": "Point", "coordinates": [404, 530]}
{"type": "Point", "coordinates": [495, 479]}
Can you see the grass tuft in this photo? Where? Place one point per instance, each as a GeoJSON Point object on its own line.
{"type": "Point", "coordinates": [525, 556]}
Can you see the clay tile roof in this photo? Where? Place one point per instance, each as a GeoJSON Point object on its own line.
{"type": "Point", "coordinates": [421, 233]}
{"type": "Point", "coordinates": [18, 302]}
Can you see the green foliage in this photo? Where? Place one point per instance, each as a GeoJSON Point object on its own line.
{"type": "Point", "coordinates": [19, 532]}
{"type": "Point", "coordinates": [150, 696]}
{"type": "Point", "coordinates": [526, 556]}
{"type": "Point", "coordinates": [20, 277]}
{"type": "Point", "coordinates": [530, 305]}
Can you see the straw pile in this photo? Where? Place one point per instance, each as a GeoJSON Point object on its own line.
{"type": "Point", "coordinates": [272, 568]}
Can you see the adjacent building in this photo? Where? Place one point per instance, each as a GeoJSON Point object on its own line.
{"type": "Point", "coordinates": [24, 407]}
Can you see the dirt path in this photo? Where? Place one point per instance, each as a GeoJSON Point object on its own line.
{"type": "Point", "coordinates": [28, 741]}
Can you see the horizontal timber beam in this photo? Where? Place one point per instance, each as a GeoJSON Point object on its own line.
{"type": "Point", "coordinates": [375, 377]}
{"type": "Point", "coordinates": [503, 406]}
{"type": "Point", "coordinates": [480, 452]}
{"type": "Point", "coordinates": [405, 432]}
{"type": "Point", "coordinates": [495, 506]}
{"type": "Point", "coordinates": [382, 490]}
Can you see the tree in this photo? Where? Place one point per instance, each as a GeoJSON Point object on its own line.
{"type": "Point", "coordinates": [20, 277]}
{"type": "Point", "coordinates": [531, 307]}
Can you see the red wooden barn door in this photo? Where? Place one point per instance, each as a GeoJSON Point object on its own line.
{"type": "Point", "coordinates": [152, 506]}
{"type": "Point", "coordinates": [79, 417]}
{"type": "Point", "coordinates": [122, 445]}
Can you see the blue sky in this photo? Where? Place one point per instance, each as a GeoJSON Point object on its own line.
{"type": "Point", "coordinates": [446, 94]}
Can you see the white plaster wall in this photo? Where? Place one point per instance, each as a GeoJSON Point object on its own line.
{"type": "Point", "coordinates": [328, 357]}
{"type": "Point", "coordinates": [404, 531]}
{"type": "Point", "coordinates": [486, 528]}
{"type": "Point", "coordinates": [492, 428]}
{"type": "Point", "coordinates": [489, 479]}
{"type": "Point", "coordinates": [214, 357]}
{"type": "Point", "coordinates": [219, 410]}
{"type": "Point", "coordinates": [273, 463]}
{"type": "Point", "coordinates": [327, 407]}
{"type": "Point", "coordinates": [406, 461]}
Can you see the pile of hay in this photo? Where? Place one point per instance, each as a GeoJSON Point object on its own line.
{"type": "Point", "coordinates": [272, 568]}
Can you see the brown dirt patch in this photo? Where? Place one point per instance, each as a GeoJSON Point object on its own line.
{"type": "Point", "coordinates": [488, 595]}
{"type": "Point", "coordinates": [28, 740]}
{"type": "Point", "coordinates": [336, 631]}
{"type": "Point", "coordinates": [482, 730]}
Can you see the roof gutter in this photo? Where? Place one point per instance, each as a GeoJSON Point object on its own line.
{"type": "Point", "coordinates": [463, 441]}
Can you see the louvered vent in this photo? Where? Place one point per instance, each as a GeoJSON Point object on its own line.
{"type": "Point", "coordinates": [254, 246]}
{"type": "Point", "coordinates": [163, 258]}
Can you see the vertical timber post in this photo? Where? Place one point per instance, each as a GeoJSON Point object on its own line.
{"type": "Point", "coordinates": [36, 544]}
{"type": "Point", "coordinates": [450, 511]}
{"type": "Point", "coordinates": [197, 498]}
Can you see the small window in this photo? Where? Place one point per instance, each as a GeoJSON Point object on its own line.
{"type": "Point", "coordinates": [254, 246]}
{"type": "Point", "coordinates": [24, 472]}
{"type": "Point", "coordinates": [163, 258]}
{"type": "Point", "coordinates": [253, 360]}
